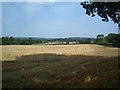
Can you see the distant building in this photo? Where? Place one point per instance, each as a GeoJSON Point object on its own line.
{"type": "Point", "coordinates": [56, 43]}
{"type": "Point", "coordinates": [72, 42]}
{"type": "Point", "coordinates": [64, 42]}
{"type": "Point", "coordinates": [92, 41]}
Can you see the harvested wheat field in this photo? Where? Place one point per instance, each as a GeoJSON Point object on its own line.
{"type": "Point", "coordinates": [10, 52]}
{"type": "Point", "coordinates": [60, 66]}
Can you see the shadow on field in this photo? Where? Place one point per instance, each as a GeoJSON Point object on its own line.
{"type": "Point", "coordinates": [60, 71]}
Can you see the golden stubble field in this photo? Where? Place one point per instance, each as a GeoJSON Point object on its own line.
{"type": "Point", "coordinates": [59, 66]}
{"type": "Point", "coordinates": [10, 52]}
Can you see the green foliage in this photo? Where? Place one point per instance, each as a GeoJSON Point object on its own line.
{"type": "Point", "coordinates": [100, 36]}
{"type": "Point", "coordinates": [0, 41]}
{"type": "Point", "coordinates": [105, 10]}
{"type": "Point", "coordinates": [111, 40]}
{"type": "Point", "coordinates": [29, 41]}
{"type": "Point", "coordinates": [100, 39]}
{"type": "Point", "coordinates": [5, 41]}
{"type": "Point", "coordinates": [16, 41]}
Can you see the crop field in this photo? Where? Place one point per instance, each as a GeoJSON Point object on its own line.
{"type": "Point", "coordinates": [59, 66]}
{"type": "Point", "coordinates": [11, 52]}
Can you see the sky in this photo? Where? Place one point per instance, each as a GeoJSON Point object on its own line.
{"type": "Point", "coordinates": [51, 20]}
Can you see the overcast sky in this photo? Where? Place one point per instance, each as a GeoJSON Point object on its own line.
{"type": "Point", "coordinates": [51, 20]}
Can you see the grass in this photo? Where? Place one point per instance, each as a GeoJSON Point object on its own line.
{"type": "Point", "coordinates": [60, 71]}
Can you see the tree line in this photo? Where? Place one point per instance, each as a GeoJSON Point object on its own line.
{"type": "Point", "coordinates": [111, 39]}
{"type": "Point", "coordinates": [18, 41]}
{"type": "Point", "coordinates": [29, 41]}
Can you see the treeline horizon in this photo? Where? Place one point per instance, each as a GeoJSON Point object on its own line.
{"type": "Point", "coordinates": [111, 39]}
{"type": "Point", "coordinates": [34, 40]}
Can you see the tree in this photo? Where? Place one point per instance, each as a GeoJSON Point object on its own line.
{"type": "Point", "coordinates": [100, 36]}
{"type": "Point", "coordinates": [88, 41]}
{"type": "Point", "coordinates": [113, 39]}
{"type": "Point", "coordinates": [30, 41]}
{"type": "Point", "coordinates": [5, 41]}
{"type": "Point", "coordinates": [12, 40]}
{"type": "Point", "coordinates": [0, 41]}
{"type": "Point", "coordinates": [105, 10]}
{"type": "Point", "coordinates": [101, 39]}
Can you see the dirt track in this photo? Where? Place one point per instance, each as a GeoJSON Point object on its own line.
{"type": "Point", "coordinates": [10, 52]}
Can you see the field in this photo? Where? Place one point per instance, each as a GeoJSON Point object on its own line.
{"type": "Point", "coordinates": [53, 66]}
{"type": "Point", "coordinates": [10, 52]}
